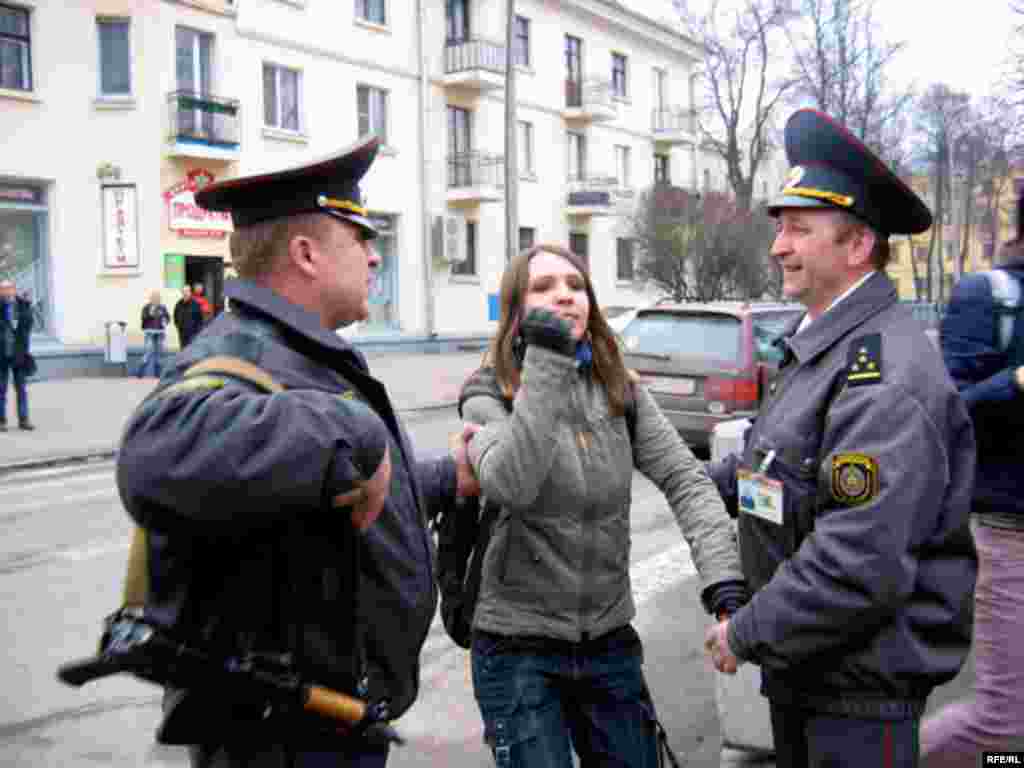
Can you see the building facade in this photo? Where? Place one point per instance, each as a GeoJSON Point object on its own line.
{"type": "Point", "coordinates": [115, 112]}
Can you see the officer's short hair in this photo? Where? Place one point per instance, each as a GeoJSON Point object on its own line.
{"type": "Point", "coordinates": [258, 249]}
{"type": "Point", "coordinates": [881, 254]}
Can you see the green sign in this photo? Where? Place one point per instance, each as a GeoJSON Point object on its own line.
{"type": "Point", "coordinates": [174, 271]}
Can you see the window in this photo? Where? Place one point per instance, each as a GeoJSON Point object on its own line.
{"type": "Point", "coordinates": [115, 57]}
{"type": "Point", "coordinates": [460, 159]}
{"type": "Point", "coordinates": [619, 88]}
{"type": "Point", "coordinates": [372, 11]}
{"type": "Point", "coordinates": [661, 174]}
{"type": "Point", "coordinates": [622, 166]}
{"type": "Point", "coordinates": [660, 79]}
{"type": "Point", "coordinates": [521, 42]}
{"type": "Point", "coordinates": [577, 156]}
{"type": "Point", "coordinates": [15, 49]}
{"type": "Point", "coordinates": [707, 180]}
{"type": "Point", "coordinates": [467, 267]}
{"type": "Point", "coordinates": [193, 60]}
{"type": "Point", "coordinates": [373, 111]}
{"type": "Point", "coordinates": [281, 97]}
{"type": "Point", "coordinates": [624, 259]}
{"type": "Point", "coordinates": [525, 147]}
{"type": "Point", "coordinates": [456, 21]}
{"type": "Point", "coordinates": [527, 236]}
{"type": "Point", "coordinates": [573, 71]}
{"type": "Point", "coordinates": [578, 244]}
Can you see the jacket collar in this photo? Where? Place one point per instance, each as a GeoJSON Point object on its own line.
{"type": "Point", "coordinates": [871, 297]}
{"type": "Point", "coordinates": [301, 321]}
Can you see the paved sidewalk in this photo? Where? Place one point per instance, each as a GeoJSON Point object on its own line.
{"type": "Point", "coordinates": [82, 418]}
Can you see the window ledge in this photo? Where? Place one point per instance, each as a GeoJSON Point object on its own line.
{"type": "Point", "coordinates": [12, 93]}
{"type": "Point", "coordinates": [465, 279]}
{"type": "Point", "coordinates": [114, 102]}
{"type": "Point", "coordinates": [372, 26]}
{"type": "Point", "coordinates": [278, 134]}
{"type": "Point", "coordinates": [525, 70]}
{"type": "Point", "coordinates": [620, 283]}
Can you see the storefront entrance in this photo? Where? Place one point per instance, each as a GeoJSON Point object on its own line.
{"type": "Point", "coordinates": [207, 271]}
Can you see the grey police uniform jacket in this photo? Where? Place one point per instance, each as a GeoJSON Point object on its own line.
{"type": "Point", "coordinates": [863, 592]}
{"type": "Point", "coordinates": [235, 488]}
{"type": "Point", "coordinates": [561, 467]}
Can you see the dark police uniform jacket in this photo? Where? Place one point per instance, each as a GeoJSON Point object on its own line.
{"type": "Point", "coordinates": [234, 487]}
{"type": "Point", "coordinates": [863, 592]}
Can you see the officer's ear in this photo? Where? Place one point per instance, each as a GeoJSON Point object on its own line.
{"type": "Point", "coordinates": [862, 245]}
{"type": "Point", "coordinates": [303, 254]}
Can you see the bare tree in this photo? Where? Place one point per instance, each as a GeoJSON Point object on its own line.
{"type": "Point", "coordinates": [740, 92]}
{"type": "Point", "coordinates": [696, 247]}
{"type": "Point", "coordinates": [839, 60]}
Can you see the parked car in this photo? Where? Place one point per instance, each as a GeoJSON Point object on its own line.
{"type": "Point", "coordinates": [707, 363]}
{"type": "Point", "coordinates": [619, 317]}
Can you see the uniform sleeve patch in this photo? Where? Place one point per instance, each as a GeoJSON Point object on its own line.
{"type": "Point", "coordinates": [854, 478]}
{"type": "Point", "coordinates": [864, 362]}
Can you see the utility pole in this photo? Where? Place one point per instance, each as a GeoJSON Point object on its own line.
{"type": "Point", "coordinates": [511, 157]}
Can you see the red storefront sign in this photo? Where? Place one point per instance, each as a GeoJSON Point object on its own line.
{"type": "Point", "coordinates": [188, 219]}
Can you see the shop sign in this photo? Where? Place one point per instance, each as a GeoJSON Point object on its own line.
{"type": "Point", "coordinates": [120, 227]}
{"type": "Point", "coordinates": [183, 214]}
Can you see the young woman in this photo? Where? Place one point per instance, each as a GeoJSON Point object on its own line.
{"type": "Point", "coordinates": [556, 663]}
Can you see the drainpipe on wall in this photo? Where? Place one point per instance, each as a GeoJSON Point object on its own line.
{"type": "Point", "coordinates": [425, 229]}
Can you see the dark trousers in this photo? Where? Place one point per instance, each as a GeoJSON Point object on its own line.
{"type": "Point", "coordinates": [19, 387]}
{"type": "Point", "coordinates": [280, 757]}
{"type": "Point", "coordinates": [805, 739]}
{"type": "Point", "coordinates": [540, 704]}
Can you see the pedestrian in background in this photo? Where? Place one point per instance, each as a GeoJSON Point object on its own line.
{"type": "Point", "coordinates": [557, 664]}
{"type": "Point", "coordinates": [204, 304]}
{"type": "Point", "coordinates": [188, 317]}
{"type": "Point", "coordinates": [154, 322]}
{"type": "Point", "coordinates": [987, 364]}
{"type": "Point", "coordinates": [16, 359]}
{"type": "Point", "coordinates": [853, 487]}
{"type": "Point", "coordinates": [289, 524]}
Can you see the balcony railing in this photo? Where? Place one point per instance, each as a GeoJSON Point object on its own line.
{"type": "Point", "coordinates": [475, 169]}
{"type": "Point", "coordinates": [200, 118]}
{"type": "Point", "coordinates": [673, 120]}
{"type": "Point", "coordinates": [474, 53]}
{"type": "Point", "coordinates": [593, 98]}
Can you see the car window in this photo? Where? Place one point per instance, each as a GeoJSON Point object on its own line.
{"type": "Point", "coordinates": [767, 328]}
{"type": "Point", "coordinates": [696, 335]}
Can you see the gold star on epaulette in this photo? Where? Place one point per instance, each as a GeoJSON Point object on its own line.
{"type": "Point", "coordinates": [864, 363]}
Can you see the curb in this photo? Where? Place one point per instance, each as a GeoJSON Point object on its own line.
{"type": "Point", "coordinates": [63, 460]}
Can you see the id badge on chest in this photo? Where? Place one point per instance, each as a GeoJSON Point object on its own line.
{"type": "Point", "coordinates": [760, 495]}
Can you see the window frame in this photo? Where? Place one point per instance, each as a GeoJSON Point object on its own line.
{"type": "Point", "coordinates": [299, 98]}
{"type": "Point", "coordinates": [581, 155]}
{"type": "Point", "coordinates": [623, 165]}
{"type": "Point", "coordinates": [114, 95]}
{"type": "Point", "coordinates": [521, 24]}
{"type": "Point", "coordinates": [622, 245]}
{"type": "Point", "coordinates": [620, 77]}
{"type": "Point", "coordinates": [662, 168]}
{"type": "Point", "coordinates": [28, 85]}
{"type": "Point", "coordinates": [531, 233]}
{"type": "Point", "coordinates": [525, 146]}
{"type": "Point", "coordinates": [362, 12]}
{"type": "Point", "coordinates": [468, 267]}
{"type": "Point", "coordinates": [371, 90]}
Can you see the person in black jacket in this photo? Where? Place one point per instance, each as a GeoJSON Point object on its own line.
{"type": "Point", "coordinates": [154, 320]}
{"type": "Point", "coordinates": [15, 335]}
{"type": "Point", "coordinates": [241, 491]}
{"type": "Point", "coordinates": [188, 317]}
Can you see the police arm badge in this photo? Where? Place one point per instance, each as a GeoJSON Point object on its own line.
{"type": "Point", "coordinates": [854, 478]}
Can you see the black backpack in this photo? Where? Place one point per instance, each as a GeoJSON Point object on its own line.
{"type": "Point", "coordinates": [464, 531]}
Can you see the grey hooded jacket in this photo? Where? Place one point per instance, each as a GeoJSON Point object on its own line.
{"type": "Point", "coordinates": [561, 467]}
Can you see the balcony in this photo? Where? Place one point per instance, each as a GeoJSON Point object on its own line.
{"type": "Point", "coordinates": [674, 125]}
{"type": "Point", "coordinates": [475, 177]}
{"type": "Point", "coordinates": [597, 196]}
{"type": "Point", "coordinates": [203, 126]}
{"type": "Point", "coordinates": [475, 64]}
{"type": "Point", "coordinates": [589, 101]}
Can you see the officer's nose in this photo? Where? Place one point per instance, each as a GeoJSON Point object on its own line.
{"type": "Point", "coordinates": [372, 256]}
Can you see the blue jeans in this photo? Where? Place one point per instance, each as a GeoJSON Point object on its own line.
{"type": "Point", "coordinates": [541, 699]}
{"type": "Point", "coordinates": [152, 352]}
{"type": "Point", "coordinates": [19, 388]}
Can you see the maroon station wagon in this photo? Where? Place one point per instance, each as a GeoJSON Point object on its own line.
{"type": "Point", "coordinates": [707, 363]}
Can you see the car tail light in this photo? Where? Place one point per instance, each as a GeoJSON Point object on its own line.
{"type": "Point", "coordinates": [736, 393]}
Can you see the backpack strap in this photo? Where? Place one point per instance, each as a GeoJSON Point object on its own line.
{"type": "Point", "coordinates": [1006, 300]}
{"type": "Point", "coordinates": [201, 375]}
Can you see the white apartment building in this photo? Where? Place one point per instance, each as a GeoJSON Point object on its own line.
{"type": "Point", "coordinates": [114, 112]}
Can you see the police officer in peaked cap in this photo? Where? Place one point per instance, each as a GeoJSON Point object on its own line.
{"type": "Point", "coordinates": [853, 487]}
{"type": "Point", "coordinates": [289, 523]}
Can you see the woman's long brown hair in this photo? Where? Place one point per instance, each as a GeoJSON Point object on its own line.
{"type": "Point", "coordinates": [608, 366]}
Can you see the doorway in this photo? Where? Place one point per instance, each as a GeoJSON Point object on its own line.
{"type": "Point", "coordinates": [207, 271]}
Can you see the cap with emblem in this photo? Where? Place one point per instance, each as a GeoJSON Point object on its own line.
{"type": "Point", "coordinates": [832, 168]}
{"type": "Point", "coordinates": [329, 185]}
